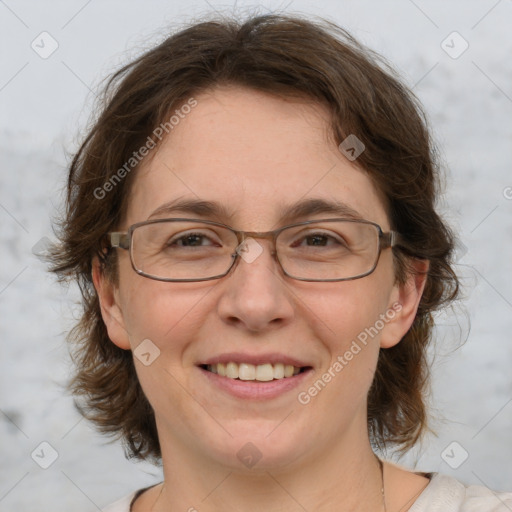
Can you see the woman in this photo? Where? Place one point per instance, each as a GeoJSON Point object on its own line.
{"type": "Point", "coordinates": [251, 220]}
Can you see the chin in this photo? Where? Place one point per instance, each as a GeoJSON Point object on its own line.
{"type": "Point", "coordinates": [256, 451]}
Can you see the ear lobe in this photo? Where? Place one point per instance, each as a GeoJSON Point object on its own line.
{"type": "Point", "coordinates": [111, 311]}
{"type": "Point", "coordinates": [404, 301]}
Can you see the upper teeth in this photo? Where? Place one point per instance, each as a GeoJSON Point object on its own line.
{"type": "Point", "coordinates": [261, 372]}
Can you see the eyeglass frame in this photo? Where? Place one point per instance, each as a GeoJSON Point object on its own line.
{"type": "Point", "coordinates": [123, 239]}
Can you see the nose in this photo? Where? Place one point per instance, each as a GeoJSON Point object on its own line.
{"type": "Point", "coordinates": [255, 294]}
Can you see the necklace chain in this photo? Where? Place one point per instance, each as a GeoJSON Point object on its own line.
{"type": "Point", "coordinates": [382, 483]}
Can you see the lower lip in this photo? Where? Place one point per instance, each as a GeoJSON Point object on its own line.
{"type": "Point", "coordinates": [256, 390]}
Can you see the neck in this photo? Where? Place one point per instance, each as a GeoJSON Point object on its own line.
{"type": "Point", "coordinates": [347, 474]}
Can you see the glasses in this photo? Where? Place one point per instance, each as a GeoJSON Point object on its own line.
{"type": "Point", "coordinates": [181, 250]}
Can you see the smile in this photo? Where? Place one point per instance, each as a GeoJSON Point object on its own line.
{"type": "Point", "coordinates": [249, 372]}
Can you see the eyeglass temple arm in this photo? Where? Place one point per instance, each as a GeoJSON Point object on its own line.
{"type": "Point", "coordinates": [119, 239]}
{"type": "Point", "coordinates": [395, 239]}
{"type": "Point", "coordinates": [390, 239]}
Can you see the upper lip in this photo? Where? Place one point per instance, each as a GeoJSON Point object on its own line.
{"type": "Point", "coordinates": [255, 359]}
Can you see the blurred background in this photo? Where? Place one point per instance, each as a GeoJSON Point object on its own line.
{"type": "Point", "coordinates": [54, 54]}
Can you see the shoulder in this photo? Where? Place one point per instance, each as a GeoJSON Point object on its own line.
{"type": "Point", "coordinates": [443, 494]}
{"type": "Point", "coordinates": [446, 494]}
{"type": "Point", "coordinates": [122, 505]}
{"type": "Point", "coordinates": [126, 504]}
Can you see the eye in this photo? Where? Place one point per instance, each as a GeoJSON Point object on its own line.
{"type": "Point", "coordinates": [192, 239]}
{"type": "Point", "coordinates": [320, 239]}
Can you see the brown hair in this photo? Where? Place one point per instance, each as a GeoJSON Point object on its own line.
{"type": "Point", "coordinates": [287, 56]}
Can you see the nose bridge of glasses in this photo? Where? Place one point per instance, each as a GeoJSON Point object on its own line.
{"type": "Point", "coordinates": [262, 235]}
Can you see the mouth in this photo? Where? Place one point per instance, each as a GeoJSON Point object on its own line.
{"type": "Point", "coordinates": [255, 377]}
{"type": "Point", "coordinates": [266, 372]}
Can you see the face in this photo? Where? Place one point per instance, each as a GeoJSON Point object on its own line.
{"type": "Point", "coordinates": [255, 156]}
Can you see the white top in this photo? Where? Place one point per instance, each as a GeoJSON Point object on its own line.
{"type": "Point", "coordinates": [443, 494]}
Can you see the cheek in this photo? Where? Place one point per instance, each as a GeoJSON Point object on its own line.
{"type": "Point", "coordinates": [347, 309]}
{"type": "Point", "coordinates": [347, 319]}
{"type": "Point", "coordinates": [150, 308]}
{"type": "Point", "coordinates": [163, 312]}
{"type": "Point", "coordinates": [163, 320]}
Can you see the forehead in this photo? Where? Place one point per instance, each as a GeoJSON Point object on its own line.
{"type": "Point", "coordinates": [255, 155]}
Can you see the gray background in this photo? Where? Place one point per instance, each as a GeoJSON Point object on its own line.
{"type": "Point", "coordinates": [44, 107]}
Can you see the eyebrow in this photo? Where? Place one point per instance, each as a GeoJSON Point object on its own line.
{"type": "Point", "coordinates": [290, 213]}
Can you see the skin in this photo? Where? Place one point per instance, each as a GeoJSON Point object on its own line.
{"type": "Point", "coordinates": [254, 153]}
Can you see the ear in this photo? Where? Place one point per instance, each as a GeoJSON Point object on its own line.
{"type": "Point", "coordinates": [111, 310]}
{"type": "Point", "coordinates": [404, 301]}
